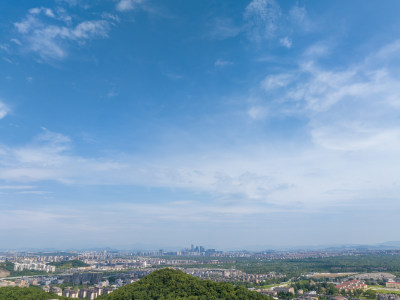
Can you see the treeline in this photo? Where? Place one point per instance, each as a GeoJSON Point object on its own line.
{"type": "Point", "coordinates": [173, 284]}
{"type": "Point", "coordinates": [31, 293]}
{"type": "Point", "coordinates": [296, 267]}
{"type": "Point", "coordinates": [336, 264]}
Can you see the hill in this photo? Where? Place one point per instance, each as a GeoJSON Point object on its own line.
{"type": "Point", "coordinates": [31, 293]}
{"type": "Point", "coordinates": [173, 284]}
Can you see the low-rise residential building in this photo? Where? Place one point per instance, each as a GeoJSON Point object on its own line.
{"type": "Point", "coordinates": [393, 285]}
{"type": "Point", "coordinates": [352, 285]}
{"type": "Point", "coordinates": [68, 292]}
{"type": "Point", "coordinates": [284, 290]}
{"type": "Point", "coordinates": [337, 298]}
{"type": "Point", "coordinates": [270, 293]}
{"type": "Point", "coordinates": [56, 290]}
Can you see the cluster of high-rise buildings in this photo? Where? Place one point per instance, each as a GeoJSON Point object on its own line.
{"type": "Point", "coordinates": [198, 250]}
{"type": "Point", "coordinates": [34, 266]}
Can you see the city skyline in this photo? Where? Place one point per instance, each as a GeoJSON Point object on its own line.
{"type": "Point", "coordinates": [235, 125]}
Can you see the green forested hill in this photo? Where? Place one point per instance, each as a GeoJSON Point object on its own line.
{"type": "Point", "coordinates": [67, 264]}
{"type": "Point", "coordinates": [173, 284]}
{"type": "Point", "coordinates": [32, 293]}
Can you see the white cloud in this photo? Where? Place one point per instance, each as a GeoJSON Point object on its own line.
{"type": "Point", "coordinates": [352, 108]}
{"type": "Point", "coordinates": [125, 5]}
{"type": "Point", "coordinates": [235, 184]}
{"type": "Point", "coordinates": [50, 40]}
{"type": "Point", "coordinates": [4, 47]}
{"type": "Point", "coordinates": [276, 81]}
{"type": "Point", "coordinates": [46, 11]}
{"type": "Point", "coordinates": [286, 42]}
{"type": "Point", "coordinates": [299, 18]}
{"type": "Point", "coordinates": [257, 112]}
{"type": "Point", "coordinates": [222, 63]}
{"type": "Point", "coordinates": [349, 143]}
{"type": "Point", "coordinates": [174, 76]}
{"type": "Point", "coordinates": [16, 41]}
{"type": "Point", "coordinates": [319, 49]}
{"type": "Point", "coordinates": [356, 137]}
{"type": "Point", "coordinates": [34, 192]}
{"type": "Point", "coordinates": [8, 60]}
{"type": "Point", "coordinates": [69, 2]}
{"type": "Point", "coordinates": [4, 110]}
{"type": "Point", "coordinates": [16, 187]}
{"type": "Point", "coordinates": [90, 29]}
{"type": "Point", "coordinates": [388, 51]}
{"type": "Point", "coordinates": [263, 18]}
{"type": "Point", "coordinates": [223, 28]}
{"type": "Point", "coordinates": [251, 175]}
{"type": "Point", "coordinates": [112, 94]}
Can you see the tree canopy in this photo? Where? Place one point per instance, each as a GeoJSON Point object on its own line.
{"type": "Point", "coordinates": [31, 293]}
{"type": "Point", "coordinates": [174, 284]}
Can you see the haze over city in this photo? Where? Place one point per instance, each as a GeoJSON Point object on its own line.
{"type": "Point", "coordinates": [230, 124]}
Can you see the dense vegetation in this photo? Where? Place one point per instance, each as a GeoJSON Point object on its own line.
{"type": "Point", "coordinates": [31, 293]}
{"type": "Point", "coordinates": [173, 284]}
{"type": "Point", "coordinates": [68, 264]}
{"type": "Point", "coordinates": [7, 266]}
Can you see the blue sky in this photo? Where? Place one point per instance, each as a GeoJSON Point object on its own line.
{"type": "Point", "coordinates": [232, 124]}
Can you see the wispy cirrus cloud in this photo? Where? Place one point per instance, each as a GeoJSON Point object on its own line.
{"type": "Point", "coordinates": [257, 112]}
{"type": "Point", "coordinates": [16, 187]}
{"type": "Point", "coordinates": [46, 11]}
{"type": "Point", "coordinates": [222, 63]}
{"type": "Point", "coordinates": [255, 175]}
{"type": "Point", "coordinates": [223, 28]}
{"type": "Point", "coordinates": [69, 2]}
{"type": "Point", "coordinates": [48, 157]}
{"type": "Point", "coordinates": [50, 33]}
{"type": "Point", "coordinates": [286, 42]}
{"type": "Point", "coordinates": [349, 108]}
{"type": "Point", "coordinates": [265, 20]}
{"type": "Point", "coordinates": [125, 5]}
{"type": "Point", "coordinates": [4, 110]}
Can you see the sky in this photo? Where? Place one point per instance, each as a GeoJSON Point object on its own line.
{"type": "Point", "coordinates": [144, 124]}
